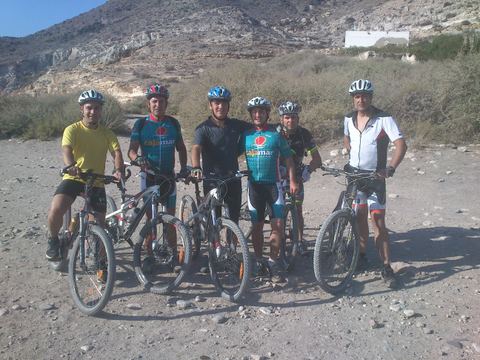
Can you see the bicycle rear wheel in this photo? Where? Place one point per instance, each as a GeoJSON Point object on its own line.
{"type": "Point", "coordinates": [229, 259]}
{"type": "Point", "coordinates": [159, 266]}
{"type": "Point", "coordinates": [290, 233]}
{"type": "Point", "coordinates": [336, 251]}
{"type": "Point", "coordinates": [92, 276]}
{"type": "Point", "coordinates": [187, 209]}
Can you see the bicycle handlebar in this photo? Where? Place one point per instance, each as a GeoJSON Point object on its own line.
{"type": "Point", "coordinates": [356, 175]}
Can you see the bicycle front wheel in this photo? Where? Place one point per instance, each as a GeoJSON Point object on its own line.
{"type": "Point", "coordinates": [187, 209]}
{"type": "Point", "coordinates": [336, 251]}
{"type": "Point", "coordinates": [229, 259]}
{"type": "Point", "coordinates": [162, 256]}
{"type": "Point", "coordinates": [91, 273]}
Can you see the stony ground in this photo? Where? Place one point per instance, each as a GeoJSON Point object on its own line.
{"type": "Point", "coordinates": [434, 227]}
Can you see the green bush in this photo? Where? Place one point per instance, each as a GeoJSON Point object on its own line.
{"type": "Point", "coordinates": [46, 117]}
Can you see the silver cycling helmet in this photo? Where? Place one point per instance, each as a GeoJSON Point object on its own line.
{"type": "Point", "coordinates": [259, 102]}
{"type": "Point", "coordinates": [361, 86]}
{"type": "Point", "coordinates": [289, 107]}
{"type": "Point", "coordinates": [91, 95]}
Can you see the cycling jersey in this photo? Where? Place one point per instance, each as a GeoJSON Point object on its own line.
{"type": "Point", "coordinates": [220, 145]}
{"type": "Point", "coordinates": [369, 147]}
{"type": "Point", "coordinates": [263, 147]}
{"type": "Point", "coordinates": [302, 144]}
{"type": "Point", "coordinates": [158, 140]}
{"type": "Point", "coordinates": [90, 148]}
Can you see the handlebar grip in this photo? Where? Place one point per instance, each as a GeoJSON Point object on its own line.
{"type": "Point", "coordinates": [66, 168]}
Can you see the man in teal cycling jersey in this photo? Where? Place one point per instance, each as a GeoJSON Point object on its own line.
{"type": "Point", "coordinates": [263, 146]}
{"type": "Point", "coordinates": [159, 136]}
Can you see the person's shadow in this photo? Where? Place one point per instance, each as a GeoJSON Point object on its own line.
{"type": "Point", "coordinates": [436, 253]}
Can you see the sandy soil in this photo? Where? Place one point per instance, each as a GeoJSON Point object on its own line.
{"type": "Point", "coordinates": [434, 227]}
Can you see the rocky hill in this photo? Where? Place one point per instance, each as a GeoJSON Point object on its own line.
{"type": "Point", "coordinates": [121, 45]}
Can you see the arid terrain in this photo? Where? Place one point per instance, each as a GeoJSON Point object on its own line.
{"type": "Point", "coordinates": [434, 226]}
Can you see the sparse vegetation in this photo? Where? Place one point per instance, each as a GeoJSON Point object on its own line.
{"type": "Point", "coordinates": [46, 117]}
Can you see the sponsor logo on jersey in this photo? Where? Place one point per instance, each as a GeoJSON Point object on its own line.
{"type": "Point", "coordinates": [158, 142]}
{"type": "Point", "coordinates": [255, 153]}
{"type": "Point", "coordinates": [162, 131]}
{"type": "Point", "coordinates": [260, 140]}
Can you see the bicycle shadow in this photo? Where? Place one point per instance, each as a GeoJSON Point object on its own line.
{"type": "Point", "coordinates": [429, 255]}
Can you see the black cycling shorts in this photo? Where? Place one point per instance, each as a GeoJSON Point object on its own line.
{"type": "Point", "coordinates": [261, 195]}
{"type": "Point", "coordinates": [73, 188]}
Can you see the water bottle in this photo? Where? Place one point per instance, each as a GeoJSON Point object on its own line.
{"type": "Point", "coordinates": [132, 215]}
{"type": "Point", "coordinates": [218, 248]}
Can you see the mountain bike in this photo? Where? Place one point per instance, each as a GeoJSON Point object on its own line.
{"type": "Point", "coordinates": [162, 254]}
{"type": "Point", "coordinates": [228, 255]}
{"type": "Point", "coordinates": [337, 245]}
{"type": "Point", "coordinates": [91, 264]}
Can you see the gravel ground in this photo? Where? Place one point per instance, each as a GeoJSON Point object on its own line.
{"type": "Point", "coordinates": [435, 235]}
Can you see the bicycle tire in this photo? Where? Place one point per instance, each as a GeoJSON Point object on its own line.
{"type": "Point", "coordinates": [92, 272]}
{"type": "Point", "coordinates": [187, 208]}
{"type": "Point", "coordinates": [230, 271]}
{"type": "Point", "coordinates": [111, 223]}
{"type": "Point", "coordinates": [336, 251]}
{"type": "Point", "coordinates": [290, 235]}
{"type": "Point", "coordinates": [156, 266]}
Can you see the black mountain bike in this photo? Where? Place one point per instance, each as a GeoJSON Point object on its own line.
{"type": "Point", "coordinates": [91, 264]}
{"type": "Point", "coordinates": [337, 246]}
{"type": "Point", "coordinates": [160, 263]}
{"type": "Point", "coordinates": [228, 255]}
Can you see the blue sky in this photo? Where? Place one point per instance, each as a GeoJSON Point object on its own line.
{"type": "Point", "coordinates": [25, 17]}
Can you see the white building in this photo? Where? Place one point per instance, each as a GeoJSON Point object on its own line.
{"type": "Point", "coordinates": [376, 38]}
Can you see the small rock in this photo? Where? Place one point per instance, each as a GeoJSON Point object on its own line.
{"type": "Point", "coordinates": [427, 331]}
{"type": "Point", "coordinates": [241, 308]}
{"type": "Point", "coordinates": [46, 307]}
{"type": "Point", "coordinates": [266, 311]}
{"type": "Point", "coordinates": [441, 180]}
{"type": "Point", "coordinates": [420, 172]}
{"type": "Point", "coordinates": [17, 307]}
{"type": "Point", "coordinates": [393, 196]}
{"type": "Point", "coordinates": [86, 348]}
{"type": "Point", "coordinates": [344, 152]}
{"type": "Point", "coordinates": [408, 313]}
{"type": "Point", "coordinates": [476, 347]}
{"type": "Point", "coordinates": [257, 357]}
{"type": "Point", "coordinates": [167, 337]}
{"type": "Point", "coordinates": [334, 153]}
{"type": "Point", "coordinates": [219, 318]}
{"type": "Point", "coordinates": [182, 304]}
{"type": "Point", "coordinates": [374, 324]}
{"type": "Point", "coordinates": [427, 223]}
{"type": "Point", "coordinates": [3, 311]}
{"type": "Point", "coordinates": [462, 149]}
{"type": "Point", "coordinates": [395, 307]}
{"type": "Point", "coordinates": [455, 343]}
{"type": "Point", "coordinates": [205, 357]}
{"type": "Point", "coordinates": [449, 172]}
{"type": "Point", "coordinates": [134, 306]}
{"type": "Point", "coordinates": [199, 299]}
{"type": "Point", "coordinates": [420, 325]}
{"type": "Point", "coordinates": [459, 211]}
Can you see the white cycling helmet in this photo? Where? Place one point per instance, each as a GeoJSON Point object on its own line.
{"type": "Point", "coordinates": [259, 102]}
{"type": "Point", "coordinates": [289, 107]}
{"type": "Point", "coordinates": [361, 86]}
{"type": "Point", "coordinates": [91, 95]}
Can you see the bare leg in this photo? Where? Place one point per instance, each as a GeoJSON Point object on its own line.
{"type": "Point", "coordinates": [362, 222]}
{"type": "Point", "coordinates": [381, 236]}
{"type": "Point", "coordinates": [257, 238]}
{"type": "Point", "coordinates": [276, 238]}
{"type": "Point", "coordinates": [59, 206]}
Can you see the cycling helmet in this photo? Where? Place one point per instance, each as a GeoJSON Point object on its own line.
{"type": "Point", "coordinates": [289, 107]}
{"type": "Point", "coordinates": [219, 93]}
{"type": "Point", "coordinates": [156, 90]}
{"type": "Point", "coordinates": [361, 86]}
{"type": "Point", "coordinates": [90, 95]}
{"type": "Point", "coordinates": [259, 102]}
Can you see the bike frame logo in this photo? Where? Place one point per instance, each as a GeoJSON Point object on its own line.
{"type": "Point", "coordinates": [260, 140]}
{"type": "Point", "coordinates": [162, 131]}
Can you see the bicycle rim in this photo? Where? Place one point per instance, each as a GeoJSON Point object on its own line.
{"type": "Point", "coordinates": [91, 279]}
{"type": "Point", "coordinates": [229, 260]}
{"type": "Point", "coordinates": [159, 265]}
{"type": "Point", "coordinates": [187, 209]}
{"type": "Point", "coordinates": [336, 252]}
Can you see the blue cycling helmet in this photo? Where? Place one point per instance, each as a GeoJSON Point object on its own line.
{"type": "Point", "coordinates": [219, 93]}
{"type": "Point", "coordinates": [91, 95]}
{"type": "Point", "coordinates": [259, 102]}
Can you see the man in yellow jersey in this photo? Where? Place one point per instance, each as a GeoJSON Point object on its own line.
{"type": "Point", "coordinates": [86, 144]}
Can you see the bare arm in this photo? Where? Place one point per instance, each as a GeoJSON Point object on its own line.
{"type": "Point", "coordinates": [316, 161]}
{"type": "Point", "coordinates": [118, 161]}
{"type": "Point", "coordinates": [182, 154]}
{"type": "Point", "coordinates": [291, 175]}
{"type": "Point", "coordinates": [133, 150]}
{"type": "Point", "coordinates": [346, 143]}
{"type": "Point", "coordinates": [399, 153]}
{"type": "Point", "coordinates": [67, 152]}
{"type": "Point", "coordinates": [196, 151]}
